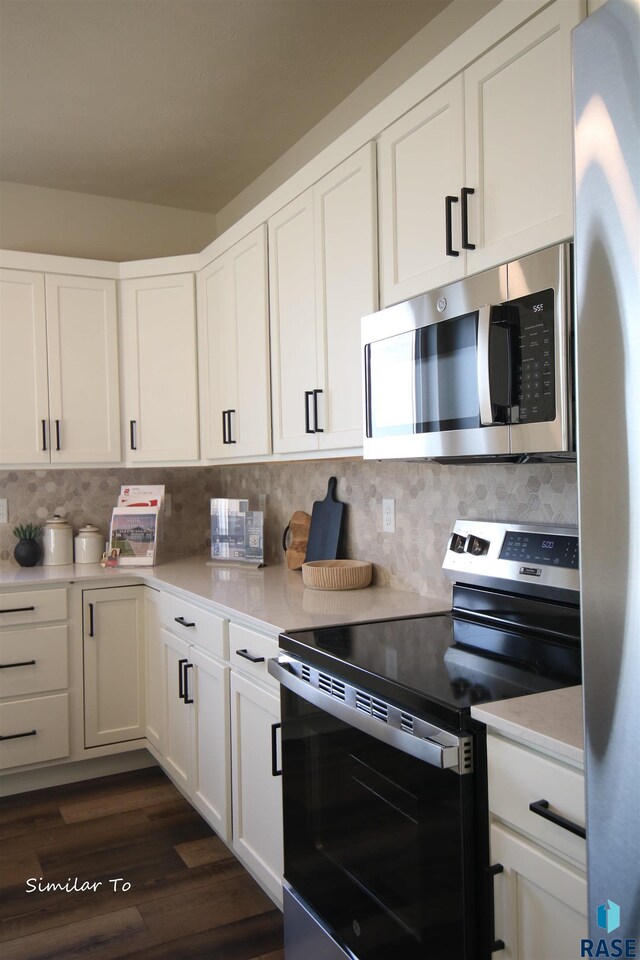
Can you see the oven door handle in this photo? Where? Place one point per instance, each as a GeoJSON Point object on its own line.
{"type": "Point", "coordinates": [453, 753]}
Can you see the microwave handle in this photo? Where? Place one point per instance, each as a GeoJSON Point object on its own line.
{"type": "Point", "coordinates": [484, 383]}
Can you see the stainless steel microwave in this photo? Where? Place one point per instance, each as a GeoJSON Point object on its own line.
{"type": "Point", "coordinates": [481, 368]}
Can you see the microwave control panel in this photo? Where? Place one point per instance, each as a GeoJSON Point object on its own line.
{"type": "Point", "coordinates": [534, 386]}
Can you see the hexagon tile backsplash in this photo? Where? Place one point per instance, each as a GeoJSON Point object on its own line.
{"type": "Point", "coordinates": [429, 497]}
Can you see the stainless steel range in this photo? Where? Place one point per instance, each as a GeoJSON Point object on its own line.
{"type": "Point", "coordinates": [384, 770]}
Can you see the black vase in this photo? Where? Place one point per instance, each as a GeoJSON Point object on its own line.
{"type": "Point", "coordinates": [28, 553]}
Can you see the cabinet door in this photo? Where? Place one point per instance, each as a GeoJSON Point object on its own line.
{"type": "Point", "coordinates": [156, 672]}
{"type": "Point", "coordinates": [211, 773]}
{"type": "Point", "coordinates": [217, 354]}
{"type": "Point", "coordinates": [421, 161]}
{"type": "Point", "coordinates": [159, 347]}
{"type": "Point", "coordinates": [540, 902]}
{"type": "Point", "coordinates": [257, 794]}
{"type": "Point", "coordinates": [346, 287]}
{"type": "Point", "coordinates": [293, 325]}
{"type": "Point", "coordinates": [82, 342]}
{"type": "Point", "coordinates": [177, 751]}
{"type": "Point", "coordinates": [24, 404]}
{"type": "Point", "coordinates": [519, 139]}
{"type": "Point", "coordinates": [114, 685]}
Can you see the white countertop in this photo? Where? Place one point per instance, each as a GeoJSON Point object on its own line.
{"type": "Point", "coordinates": [551, 722]}
{"type": "Point", "coordinates": [271, 598]}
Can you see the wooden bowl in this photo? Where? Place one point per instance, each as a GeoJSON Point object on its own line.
{"type": "Point", "coordinates": [337, 574]}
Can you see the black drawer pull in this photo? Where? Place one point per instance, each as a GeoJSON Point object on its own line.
{"type": "Point", "coordinates": [493, 871]}
{"type": "Point", "coordinates": [183, 622]}
{"type": "Point", "coordinates": [249, 656]}
{"type": "Point", "coordinates": [187, 698]}
{"type": "Point", "coordinates": [21, 663]}
{"type": "Point", "coordinates": [17, 609]}
{"type": "Point", "coordinates": [16, 736]}
{"type": "Point", "coordinates": [274, 750]}
{"type": "Point", "coordinates": [541, 807]}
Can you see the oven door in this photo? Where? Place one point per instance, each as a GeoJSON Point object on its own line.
{"type": "Point", "coordinates": [436, 374]}
{"type": "Point", "coordinates": [378, 843]}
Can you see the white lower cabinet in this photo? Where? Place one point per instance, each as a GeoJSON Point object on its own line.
{"type": "Point", "coordinates": [114, 674]}
{"type": "Point", "coordinates": [540, 896]}
{"type": "Point", "coordinates": [257, 792]}
{"type": "Point", "coordinates": [195, 748]}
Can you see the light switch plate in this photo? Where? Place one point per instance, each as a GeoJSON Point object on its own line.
{"type": "Point", "coordinates": [4, 510]}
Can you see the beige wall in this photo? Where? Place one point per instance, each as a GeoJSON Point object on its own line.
{"type": "Point", "coordinates": [40, 220]}
{"type": "Point", "coordinates": [431, 40]}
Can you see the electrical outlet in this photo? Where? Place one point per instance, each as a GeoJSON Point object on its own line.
{"type": "Point", "coordinates": [388, 516]}
{"type": "Point", "coordinates": [4, 510]}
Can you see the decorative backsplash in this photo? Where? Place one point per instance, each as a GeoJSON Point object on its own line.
{"type": "Point", "coordinates": [429, 497]}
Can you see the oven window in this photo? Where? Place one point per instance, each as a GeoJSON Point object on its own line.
{"type": "Point", "coordinates": [373, 839]}
{"type": "Point", "coordinates": [425, 380]}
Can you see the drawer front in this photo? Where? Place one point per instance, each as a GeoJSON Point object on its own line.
{"type": "Point", "coordinates": [251, 651]}
{"type": "Point", "coordinates": [44, 723]}
{"type": "Point", "coordinates": [518, 777]}
{"type": "Point", "coordinates": [32, 606]}
{"type": "Point", "coordinates": [32, 661]}
{"type": "Point", "coordinates": [195, 625]}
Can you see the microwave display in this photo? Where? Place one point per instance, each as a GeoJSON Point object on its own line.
{"type": "Point", "coordinates": [531, 318]}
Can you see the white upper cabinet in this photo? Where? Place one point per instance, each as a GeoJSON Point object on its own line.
{"type": "Point", "coordinates": [233, 351]}
{"type": "Point", "coordinates": [481, 172]}
{"type": "Point", "coordinates": [323, 280]}
{"type": "Point", "coordinates": [59, 393]}
{"type": "Point", "coordinates": [159, 362]}
{"type": "Point", "coordinates": [421, 162]}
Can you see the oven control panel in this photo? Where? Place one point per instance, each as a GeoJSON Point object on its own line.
{"type": "Point", "coordinates": [540, 559]}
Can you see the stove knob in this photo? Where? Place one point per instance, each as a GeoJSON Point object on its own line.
{"type": "Point", "coordinates": [456, 544]}
{"type": "Point", "coordinates": [477, 546]}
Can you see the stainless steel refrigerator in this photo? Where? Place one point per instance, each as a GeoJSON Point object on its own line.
{"type": "Point", "coordinates": [606, 70]}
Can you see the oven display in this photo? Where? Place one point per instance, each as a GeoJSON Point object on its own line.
{"type": "Point", "coordinates": [545, 549]}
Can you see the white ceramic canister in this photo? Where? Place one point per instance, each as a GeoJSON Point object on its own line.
{"type": "Point", "coordinates": [88, 544]}
{"type": "Point", "coordinates": [57, 541]}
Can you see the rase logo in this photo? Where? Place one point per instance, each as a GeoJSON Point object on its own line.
{"type": "Point", "coordinates": [608, 918]}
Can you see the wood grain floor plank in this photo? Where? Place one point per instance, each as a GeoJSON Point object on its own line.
{"type": "Point", "coordinates": [104, 805]}
{"type": "Point", "coordinates": [15, 869]}
{"type": "Point", "coordinates": [76, 835]}
{"type": "Point", "coordinates": [207, 850]}
{"type": "Point", "coordinates": [101, 938]}
{"type": "Point", "coordinates": [208, 906]}
{"type": "Point", "coordinates": [241, 940]}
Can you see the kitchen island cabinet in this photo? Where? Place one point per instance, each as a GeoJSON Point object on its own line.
{"type": "Point", "coordinates": [481, 172]}
{"type": "Point", "coordinates": [59, 383]}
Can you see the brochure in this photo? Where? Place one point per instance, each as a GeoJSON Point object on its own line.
{"type": "Point", "coordinates": [236, 531]}
{"type": "Point", "coordinates": [134, 533]}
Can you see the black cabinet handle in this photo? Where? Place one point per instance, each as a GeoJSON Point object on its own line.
{"type": "Point", "coordinates": [183, 622]}
{"type": "Point", "coordinates": [448, 203]}
{"type": "Point", "coordinates": [541, 807]}
{"type": "Point", "coordinates": [307, 423]}
{"type": "Point", "coordinates": [230, 440]}
{"type": "Point", "coordinates": [492, 871]}
{"type": "Point", "coordinates": [57, 435]}
{"type": "Point", "coordinates": [466, 192]}
{"type": "Point", "coordinates": [224, 427]}
{"type": "Point", "coordinates": [274, 750]}
{"type": "Point", "coordinates": [249, 656]}
{"type": "Point", "coordinates": [18, 663]}
{"type": "Point", "coordinates": [181, 664]}
{"type": "Point", "coordinates": [15, 736]}
{"type": "Point", "coordinates": [91, 634]}
{"type": "Point", "coordinates": [315, 411]}
{"type": "Point", "coordinates": [132, 434]}
{"type": "Point", "coordinates": [187, 698]}
{"type": "Point", "coordinates": [16, 609]}
{"type": "Point", "coordinates": [44, 434]}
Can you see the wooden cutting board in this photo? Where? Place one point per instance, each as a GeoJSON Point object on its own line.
{"type": "Point", "coordinates": [327, 522]}
{"type": "Point", "coordinates": [294, 539]}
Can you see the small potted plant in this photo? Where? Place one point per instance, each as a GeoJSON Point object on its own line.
{"type": "Point", "coordinates": [28, 550]}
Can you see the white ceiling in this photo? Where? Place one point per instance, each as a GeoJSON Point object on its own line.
{"type": "Point", "coordinates": [179, 102]}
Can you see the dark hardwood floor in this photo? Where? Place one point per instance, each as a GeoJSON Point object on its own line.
{"type": "Point", "coordinates": [188, 896]}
